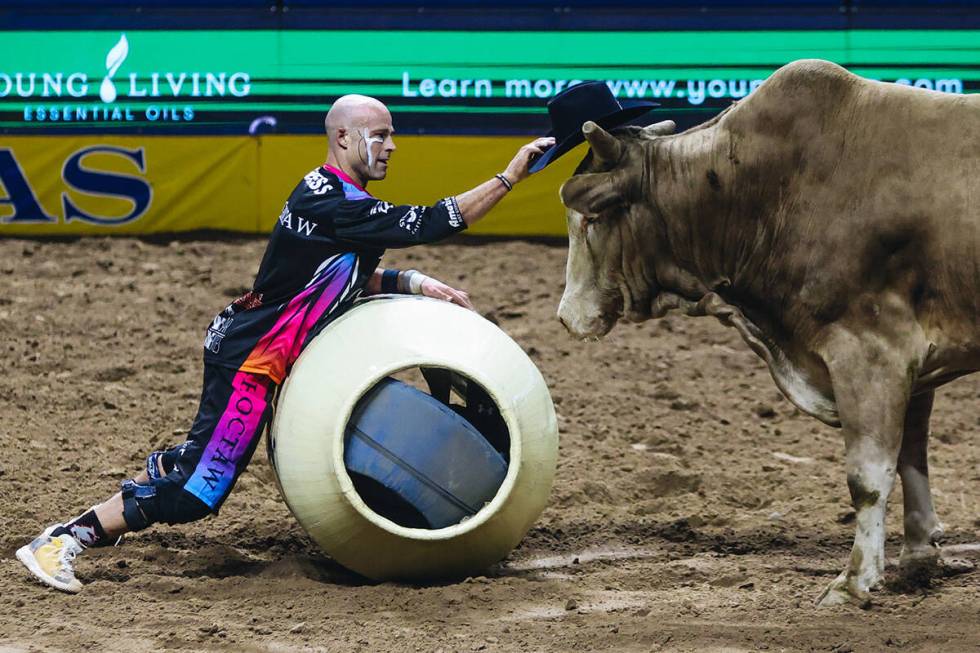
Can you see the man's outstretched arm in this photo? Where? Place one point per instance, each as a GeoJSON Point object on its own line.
{"type": "Point", "coordinates": [475, 203]}
{"type": "Point", "coordinates": [372, 222]}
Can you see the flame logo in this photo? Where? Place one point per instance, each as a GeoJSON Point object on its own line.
{"type": "Point", "coordinates": [117, 55]}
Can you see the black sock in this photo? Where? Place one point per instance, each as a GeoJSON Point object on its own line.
{"type": "Point", "coordinates": [87, 529]}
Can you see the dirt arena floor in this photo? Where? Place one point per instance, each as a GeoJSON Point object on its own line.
{"type": "Point", "coordinates": [694, 509]}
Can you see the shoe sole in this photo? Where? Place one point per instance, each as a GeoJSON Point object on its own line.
{"type": "Point", "coordinates": [28, 560]}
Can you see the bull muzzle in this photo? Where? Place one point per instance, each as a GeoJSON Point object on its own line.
{"type": "Point", "coordinates": [584, 320]}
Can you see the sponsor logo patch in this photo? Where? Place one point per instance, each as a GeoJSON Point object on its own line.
{"type": "Point", "coordinates": [249, 300]}
{"type": "Point", "coordinates": [216, 332]}
{"type": "Point", "coordinates": [317, 183]}
{"type": "Point", "coordinates": [301, 225]}
{"type": "Point", "coordinates": [84, 534]}
{"type": "Point", "coordinates": [381, 207]}
{"type": "Point", "coordinates": [412, 220]}
{"type": "Point", "coordinates": [455, 216]}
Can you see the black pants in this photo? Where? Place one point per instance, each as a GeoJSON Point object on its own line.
{"type": "Point", "coordinates": [199, 474]}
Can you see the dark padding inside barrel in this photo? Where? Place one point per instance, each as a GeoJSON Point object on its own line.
{"type": "Point", "coordinates": [417, 460]}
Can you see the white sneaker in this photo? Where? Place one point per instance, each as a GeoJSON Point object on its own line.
{"type": "Point", "coordinates": [51, 560]}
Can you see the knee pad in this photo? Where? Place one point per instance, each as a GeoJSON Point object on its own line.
{"type": "Point", "coordinates": [177, 506]}
{"type": "Point", "coordinates": [144, 505]}
{"type": "Point", "coordinates": [139, 504]}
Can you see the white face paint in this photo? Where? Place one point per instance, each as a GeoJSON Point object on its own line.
{"type": "Point", "coordinates": [368, 142]}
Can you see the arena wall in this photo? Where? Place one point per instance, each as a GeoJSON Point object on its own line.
{"type": "Point", "coordinates": [105, 185]}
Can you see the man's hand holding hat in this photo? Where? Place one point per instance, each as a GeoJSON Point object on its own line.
{"type": "Point", "coordinates": [518, 169]}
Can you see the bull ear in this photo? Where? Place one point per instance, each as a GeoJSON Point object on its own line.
{"type": "Point", "coordinates": [658, 129]}
{"type": "Point", "coordinates": [590, 194]}
{"type": "Point", "coordinates": [606, 148]}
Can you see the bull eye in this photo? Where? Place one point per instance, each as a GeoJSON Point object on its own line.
{"type": "Point", "coordinates": [590, 220]}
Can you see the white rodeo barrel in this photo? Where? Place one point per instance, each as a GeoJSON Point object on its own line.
{"type": "Point", "coordinates": [353, 356]}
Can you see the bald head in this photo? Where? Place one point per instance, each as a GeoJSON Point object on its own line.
{"type": "Point", "coordinates": [354, 112]}
{"type": "Point", "coordinates": [359, 136]}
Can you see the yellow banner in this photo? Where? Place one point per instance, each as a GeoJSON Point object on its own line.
{"type": "Point", "coordinates": [52, 186]}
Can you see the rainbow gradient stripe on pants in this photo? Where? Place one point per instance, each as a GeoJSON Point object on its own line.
{"type": "Point", "coordinates": [243, 419]}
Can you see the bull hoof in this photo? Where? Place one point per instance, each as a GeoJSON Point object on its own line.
{"type": "Point", "coordinates": [842, 591]}
{"type": "Point", "coordinates": [918, 566]}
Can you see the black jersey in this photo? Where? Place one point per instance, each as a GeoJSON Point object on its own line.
{"type": "Point", "coordinates": [327, 243]}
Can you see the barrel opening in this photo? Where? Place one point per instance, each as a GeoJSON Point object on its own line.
{"type": "Point", "coordinates": [427, 447]}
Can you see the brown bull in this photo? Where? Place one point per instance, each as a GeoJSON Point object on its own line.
{"type": "Point", "coordinates": [835, 223]}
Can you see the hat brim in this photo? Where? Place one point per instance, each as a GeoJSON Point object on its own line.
{"type": "Point", "coordinates": [631, 109]}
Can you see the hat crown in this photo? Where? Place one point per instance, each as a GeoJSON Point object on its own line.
{"type": "Point", "coordinates": [578, 104]}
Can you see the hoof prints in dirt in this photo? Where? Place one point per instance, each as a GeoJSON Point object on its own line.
{"type": "Point", "coordinates": [676, 535]}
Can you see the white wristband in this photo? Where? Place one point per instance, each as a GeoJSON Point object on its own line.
{"type": "Point", "coordinates": [414, 280]}
{"type": "Point", "coordinates": [415, 283]}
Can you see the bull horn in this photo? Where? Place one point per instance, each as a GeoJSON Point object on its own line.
{"type": "Point", "coordinates": [662, 128]}
{"type": "Point", "coordinates": [605, 147]}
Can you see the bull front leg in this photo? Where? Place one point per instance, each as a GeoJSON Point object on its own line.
{"type": "Point", "coordinates": [871, 378]}
{"type": "Point", "coordinates": [920, 550]}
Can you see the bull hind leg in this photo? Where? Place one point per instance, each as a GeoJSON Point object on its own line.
{"type": "Point", "coordinates": [920, 551]}
{"type": "Point", "coordinates": [871, 380]}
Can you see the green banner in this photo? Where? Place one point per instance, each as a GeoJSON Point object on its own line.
{"type": "Point", "coordinates": [447, 81]}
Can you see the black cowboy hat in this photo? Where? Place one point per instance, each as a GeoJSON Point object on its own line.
{"type": "Point", "coordinates": [576, 105]}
